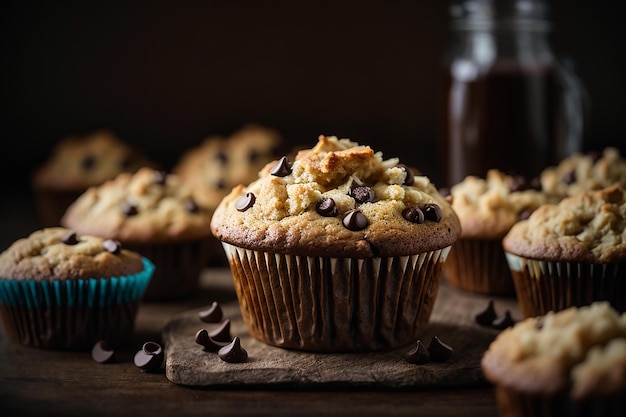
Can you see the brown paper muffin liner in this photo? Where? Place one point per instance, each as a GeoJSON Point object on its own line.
{"type": "Point", "coordinates": [335, 304]}
{"type": "Point", "coordinates": [512, 403]}
{"type": "Point", "coordinates": [553, 286]}
{"type": "Point", "coordinates": [178, 267]}
{"type": "Point", "coordinates": [72, 314]}
{"type": "Point", "coordinates": [479, 266]}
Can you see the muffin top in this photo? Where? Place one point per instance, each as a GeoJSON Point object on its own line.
{"type": "Point", "coordinates": [580, 349]}
{"type": "Point", "coordinates": [218, 164]}
{"type": "Point", "coordinates": [588, 227]}
{"type": "Point", "coordinates": [78, 162]}
{"type": "Point", "coordinates": [488, 207]}
{"type": "Point", "coordinates": [148, 206]}
{"type": "Point", "coordinates": [581, 172]}
{"type": "Point", "coordinates": [59, 253]}
{"type": "Point", "coordinates": [338, 199]}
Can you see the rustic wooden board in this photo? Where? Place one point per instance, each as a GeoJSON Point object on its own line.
{"type": "Point", "coordinates": [271, 367]}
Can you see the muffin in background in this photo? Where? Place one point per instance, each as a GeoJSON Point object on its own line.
{"type": "Point", "coordinates": [60, 290]}
{"type": "Point", "coordinates": [568, 363]}
{"type": "Point", "coordinates": [487, 209]}
{"type": "Point", "coordinates": [337, 251]}
{"type": "Point", "coordinates": [154, 214]}
{"type": "Point", "coordinates": [220, 163]}
{"type": "Point", "coordinates": [584, 171]}
{"type": "Point", "coordinates": [571, 253]}
{"type": "Point", "coordinates": [77, 163]}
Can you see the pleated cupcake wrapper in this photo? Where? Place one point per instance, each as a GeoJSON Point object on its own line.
{"type": "Point", "coordinates": [178, 267]}
{"type": "Point", "coordinates": [335, 304]}
{"type": "Point", "coordinates": [553, 286]}
{"type": "Point", "coordinates": [479, 266]}
{"type": "Point", "coordinates": [72, 314]}
{"type": "Point", "coordinates": [515, 404]}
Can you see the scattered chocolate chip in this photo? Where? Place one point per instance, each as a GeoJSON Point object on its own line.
{"type": "Point", "coordinates": [245, 202]}
{"type": "Point", "coordinates": [354, 220]}
{"type": "Point", "coordinates": [233, 352]}
{"type": "Point", "coordinates": [112, 246]}
{"type": "Point", "coordinates": [101, 352]}
{"type": "Point", "coordinates": [410, 178]}
{"type": "Point", "coordinates": [253, 156]}
{"type": "Point", "coordinates": [202, 338]}
{"type": "Point", "coordinates": [160, 177]}
{"type": "Point", "coordinates": [129, 209]}
{"type": "Point", "coordinates": [191, 206]}
{"type": "Point", "coordinates": [487, 316]}
{"type": "Point", "coordinates": [363, 194]}
{"type": "Point", "coordinates": [221, 157]}
{"type": "Point", "coordinates": [88, 162]}
{"type": "Point", "coordinates": [535, 184]}
{"type": "Point", "coordinates": [413, 214]}
{"type": "Point", "coordinates": [150, 357]}
{"type": "Point", "coordinates": [569, 178]}
{"type": "Point", "coordinates": [327, 207]}
{"type": "Point", "coordinates": [213, 314]}
{"type": "Point", "coordinates": [539, 324]}
{"type": "Point", "coordinates": [503, 321]}
{"type": "Point", "coordinates": [518, 183]}
{"type": "Point", "coordinates": [222, 333]}
{"type": "Point", "coordinates": [418, 355]}
{"type": "Point", "coordinates": [432, 212]}
{"type": "Point", "coordinates": [282, 168]}
{"type": "Point", "coordinates": [70, 238]}
{"type": "Point", "coordinates": [524, 214]}
{"type": "Point", "coordinates": [439, 351]}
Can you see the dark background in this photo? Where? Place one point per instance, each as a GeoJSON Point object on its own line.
{"type": "Point", "coordinates": [165, 74]}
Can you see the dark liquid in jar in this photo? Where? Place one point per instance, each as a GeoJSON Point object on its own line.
{"type": "Point", "coordinates": [506, 118]}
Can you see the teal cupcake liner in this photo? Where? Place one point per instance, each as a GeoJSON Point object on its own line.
{"type": "Point", "coordinates": [73, 314]}
{"type": "Point", "coordinates": [93, 292]}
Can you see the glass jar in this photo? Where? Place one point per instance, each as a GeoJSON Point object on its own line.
{"type": "Point", "coordinates": [506, 101]}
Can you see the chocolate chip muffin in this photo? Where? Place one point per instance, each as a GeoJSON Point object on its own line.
{"type": "Point", "coordinates": [338, 250]}
{"type": "Point", "coordinates": [571, 253]}
{"type": "Point", "coordinates": [152, 213]}
{"type": "Point", "coordinates": [77, 163]}
{"type": "Point", "coordinates": [567, 363]}
{"type": "Point", "coordinates": [584, 171]}
{"type": "Point", "coordinates": [487, 209]}
{"type": "Point", "coordinates": [62, 290]}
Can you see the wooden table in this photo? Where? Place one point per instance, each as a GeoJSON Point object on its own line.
{"type": "Point", "coordinates": [39, 382]}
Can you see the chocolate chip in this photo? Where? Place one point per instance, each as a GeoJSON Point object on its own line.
{"type": "Point", "coordinates": [503, 321]}
{"type": "Point", "coordinates": [524, 214]}
{"type": "Point", "coordinates": [432, 212]}
{"type": "Point", "coordinates": [112, 246]}
{"type": "Point", "coordinates": [282, 168]}
{"type": "Point", "coordinates": [126, 162]}
{"type": "Point", "coordinates": [70, 238]}
{"type": "Point", "coordinates": [413, 214]}
{"type": "Point", "coordinates": [101, 352]}
{"type": "Point", "coordinates": [160, 177]}
{"type": "Point", "coordinates": [213, 314]}
{"type": "Point", "coordinates": [363, 194]}
{"type": "Point", "coordinates": [191, 206]}
{"type": "Point", "coordinates": [409, 179]}
{"type": "Point", "coordinates": [221, 184]}
{"type": "Point", "coordinates": [327, 207]}
{"type": "Point", "coordinates": [518, 183]}
{"type": "Point", "coordinates": [487, 316]}
{"type": "Point", "coordinates": [222, 333]}
{"type": "Point", "coordinates": [221, 157]}
{"type": "Point", "coordinates": [595, 155]}
{"type": "Point", "coordinates": [569, 178]}
{"type": "Point", "coordinates": [129, 209]}
{"type": "Point", "coordinates": [245, 202]}
{"type": "Point", "coordinates": [418, 355]}
{"type": "Point", "coordinates": [539, 324]}
{"type": "Point", "coordinates": [202, 338]}
{"type": "Point", "coordinates": [253, 156]}
{"type": "Point", "coordinates": [535, 184]}
{"type": "Point", "coordinates": [233, 352]}
{"type": "Point", "coordinates": [150, 357]}
{"type": "Point", "coordinates": [439, 351]}
{"type": "Point", "coordinates": [88, 162]}
{"type": "Point", "coordinates": [354, 220]}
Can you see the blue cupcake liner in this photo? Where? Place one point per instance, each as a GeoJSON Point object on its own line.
{"type": "Point", "coordinates": [93, 292]}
